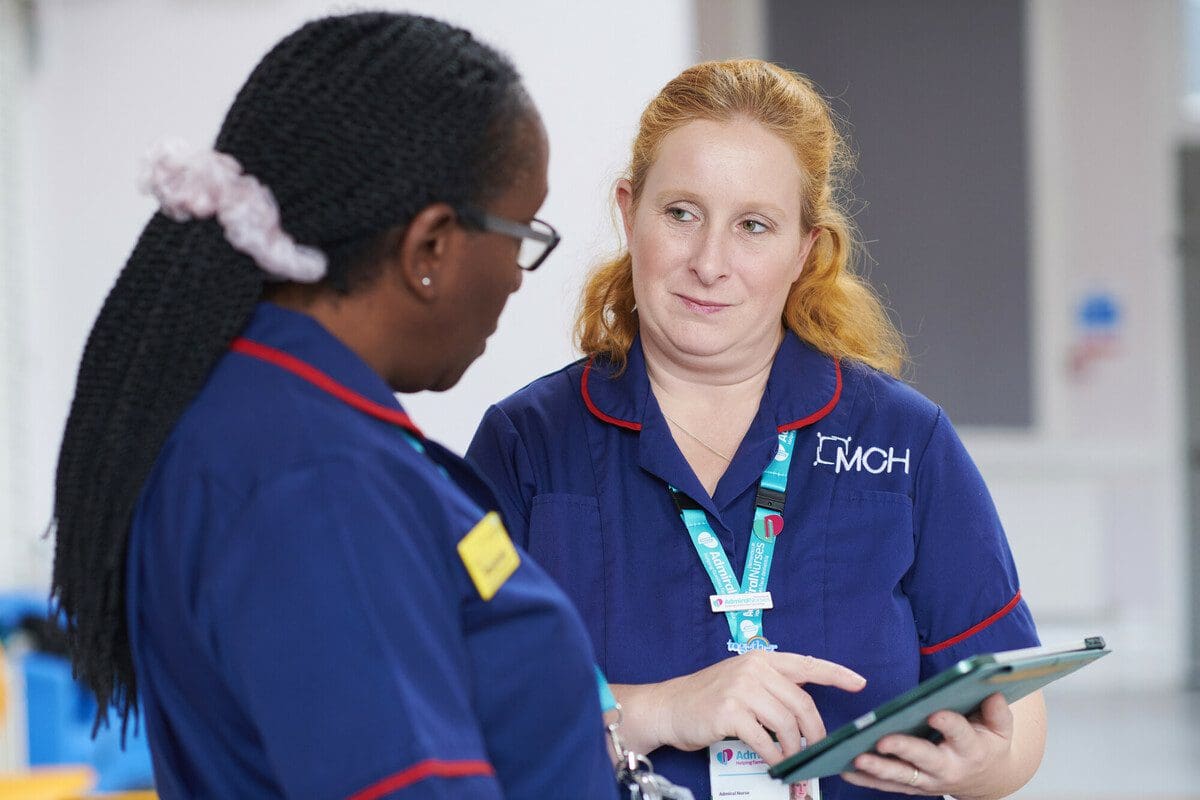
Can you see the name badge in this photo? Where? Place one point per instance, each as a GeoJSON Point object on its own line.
{"type": "Point", "coordinates": [742, 601]}
{"type": "Point", "coordinates": [736, 771]}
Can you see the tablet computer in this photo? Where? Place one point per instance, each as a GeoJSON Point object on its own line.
{"type": "Point", "coordinates": [962, 688]}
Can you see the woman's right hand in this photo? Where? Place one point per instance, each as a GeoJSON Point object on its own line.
{"type": "Point", "coordinates": [746, 697]}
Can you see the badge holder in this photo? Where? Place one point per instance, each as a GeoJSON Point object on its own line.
{"type": "Point", "coordinates": [636, 778]}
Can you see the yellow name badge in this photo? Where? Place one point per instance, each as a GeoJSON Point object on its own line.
{"type": "Point", "coordinates": [489, 555]}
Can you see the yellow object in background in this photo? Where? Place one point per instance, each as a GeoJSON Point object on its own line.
{"type": "Point", "coordinates": [47, 783]}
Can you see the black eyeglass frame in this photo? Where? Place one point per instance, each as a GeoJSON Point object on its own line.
{"type": "Point", "coordinates": [479, 219]}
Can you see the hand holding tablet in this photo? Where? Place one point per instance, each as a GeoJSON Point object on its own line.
{"type": "Point", "coordinates": [961, 688]}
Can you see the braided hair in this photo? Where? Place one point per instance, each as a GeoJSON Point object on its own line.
{"type": "Point", "coordinates": [355, 123]}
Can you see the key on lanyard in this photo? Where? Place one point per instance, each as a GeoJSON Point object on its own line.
{"type": "Point", "coordinates": [636, 775]}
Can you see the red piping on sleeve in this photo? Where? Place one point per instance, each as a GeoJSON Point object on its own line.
{"type": "Point", "coordinates": [587, 400]}
{"type": "Point", "coordinates": [305, 371]}
{"type": "Point", "coordinates": [811, 418]}
{"type": "Point", "coordinates": [969, 632]}
{"type": "Point", "coordinates": [431, 768]}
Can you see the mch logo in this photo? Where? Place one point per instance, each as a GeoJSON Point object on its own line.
{"type": "Point", "coordinates": [725, 756]}
{"type": "Point", "coordinates": [708, 540]}
{"type": "Point", "coordinates": [834, 451]}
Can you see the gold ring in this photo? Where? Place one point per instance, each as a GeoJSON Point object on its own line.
{"type": "Point", "coordinates": [916, 776]}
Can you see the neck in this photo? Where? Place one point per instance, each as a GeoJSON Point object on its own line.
{"type": "Point", "coordinates": [680, 379]}
{"type": "Point", "coordinates": [358, 320]}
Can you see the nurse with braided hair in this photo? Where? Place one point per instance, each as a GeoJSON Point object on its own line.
{"type": "Point", "coordinates": [256, 546]}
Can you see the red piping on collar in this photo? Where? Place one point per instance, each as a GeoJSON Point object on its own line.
{"type": "Point", "coordinates": [637, 426]}
{"type": "Point", "coordinates": [587, 400]}
{"type": "Point", "coordinates": [306, 371]}
{"type": "Point", "coordinates": [974, 629]}
{"type": "Point", "coordinates": [833, 401]}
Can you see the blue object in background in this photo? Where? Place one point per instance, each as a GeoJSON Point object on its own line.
{"type": "Point", "coordinates": [1099, 312]}
{"type": "Point", "coordinates": [60, 713]}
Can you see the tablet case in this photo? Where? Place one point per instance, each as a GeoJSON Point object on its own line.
{"type": "Point", "coordinates": [962, 688]}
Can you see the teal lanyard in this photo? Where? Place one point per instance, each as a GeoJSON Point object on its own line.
{"type": "Point", "coordinates": [744, 625]}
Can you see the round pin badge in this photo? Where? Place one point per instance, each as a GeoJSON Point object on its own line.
{"type": "Point", "coordinates": [768, 527]}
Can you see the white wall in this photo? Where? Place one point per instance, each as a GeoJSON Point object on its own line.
{"type": "Point", "coordinates": [1093, 498]}
{"type": "Point", "coordinates": [13, 551]}
{"type": "Point", "coordinates": [111, 76]}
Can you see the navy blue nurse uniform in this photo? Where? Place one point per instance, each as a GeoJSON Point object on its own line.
{"type": "Point", "coordinates": [302, 622]}
{"type": "Point", "coordinates": [891, 561]}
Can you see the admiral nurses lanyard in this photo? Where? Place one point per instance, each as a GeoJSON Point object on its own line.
{"type": "Point", "coordinates": [743, 603]}
{"type": "Point", "coordinates": [734, 769]}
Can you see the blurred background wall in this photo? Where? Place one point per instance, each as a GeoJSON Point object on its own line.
{"type": "Point", "coordinates": [1019, 190]}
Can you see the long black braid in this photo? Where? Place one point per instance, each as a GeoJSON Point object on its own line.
{"type": "Point", "coordinates": [355, 123]}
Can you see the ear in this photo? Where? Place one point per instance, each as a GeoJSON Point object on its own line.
{"type": "Point", "coordinates": [806, 247]}
{"type": "Point", "coordinates": [624, 194]}
{"type": "Point", "coordinates": [428, 251]}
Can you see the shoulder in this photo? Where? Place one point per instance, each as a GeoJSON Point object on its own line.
{"type": "Point", "coordinates": [554, 389]}
{"type": "Point", "coordinates": [875, 395]}
{"type": "Point", "coordinates": [249, 424]}
{"type": "Point", "coordinates": [546, 402]}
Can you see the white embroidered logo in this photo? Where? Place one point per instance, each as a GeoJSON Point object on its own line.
{"type": "Point", "coordinates": [874, 460]}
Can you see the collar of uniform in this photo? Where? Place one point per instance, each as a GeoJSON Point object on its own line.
{"type": "Point", "coordinates": [302, 337]}
{"type": "Point", "coordinates": [804, 386]}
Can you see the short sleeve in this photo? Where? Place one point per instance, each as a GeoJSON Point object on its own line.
{"type": "Point", "coordinates": [963, 585]}
{"type": "Point", "coordinates": [498, 453]}
{"type": "Point", "coordinates": [336, 624]}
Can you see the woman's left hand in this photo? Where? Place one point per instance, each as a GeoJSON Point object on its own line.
{"type": "Point", "coordinates": [972, 761]}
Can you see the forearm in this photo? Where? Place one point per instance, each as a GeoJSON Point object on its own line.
{"type": "Point", "coordinates": [1025, 755]}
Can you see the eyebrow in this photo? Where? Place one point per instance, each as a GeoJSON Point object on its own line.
{"type": "Point", "coordinates": [767, 209]}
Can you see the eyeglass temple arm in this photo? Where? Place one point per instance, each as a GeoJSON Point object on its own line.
{"type": "Point", "coordinates": [501, 225]}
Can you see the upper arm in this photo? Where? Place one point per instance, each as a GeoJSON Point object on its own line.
{"type": "Point", "coordinates": [339, 630]}
{"type": "Point", "coordinates": [963, 584]}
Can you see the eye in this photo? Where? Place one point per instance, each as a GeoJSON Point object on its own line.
{"type": "Point", "coordinates": [680, 214]}
{"type": "Point", "coordinates": [753, 226]}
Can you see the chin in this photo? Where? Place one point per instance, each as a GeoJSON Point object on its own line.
{"type": "Point", "coordinates": [701, 343]}
{"type": "Point", "coordinates": [448, 380]}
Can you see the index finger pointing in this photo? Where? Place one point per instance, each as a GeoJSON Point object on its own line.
{"type": "Point", "coordinates": [807, 669]}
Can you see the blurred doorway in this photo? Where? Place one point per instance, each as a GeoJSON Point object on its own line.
{"type": "Point", "coordinates": [1189, 180]}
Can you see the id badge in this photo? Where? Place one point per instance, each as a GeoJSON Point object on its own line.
{"type": "Point", "coordinates": [736, 771]}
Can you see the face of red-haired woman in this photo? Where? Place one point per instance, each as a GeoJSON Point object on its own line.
{"type": "Point", "coordinates": [717, 241]}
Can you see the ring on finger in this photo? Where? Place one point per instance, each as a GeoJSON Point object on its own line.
{"type": "Point", "coordinates": [916, 776]}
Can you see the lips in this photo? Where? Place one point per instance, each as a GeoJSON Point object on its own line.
{"type": "Point", "coordinates": [701, 306]}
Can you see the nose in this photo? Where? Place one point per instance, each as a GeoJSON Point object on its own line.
{"type": "Point", "coordinates": [708, 261]}
{"type": "Point", "coordinates": [517, 280]}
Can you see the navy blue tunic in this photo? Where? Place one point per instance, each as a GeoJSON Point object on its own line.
{"type": "Point", "coordinates": [892, 560]}
{"type": "Point", "coordinates": [302, 623]}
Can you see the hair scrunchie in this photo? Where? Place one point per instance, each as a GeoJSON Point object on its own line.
{"type": "Point", "coordinates": [197, 183]}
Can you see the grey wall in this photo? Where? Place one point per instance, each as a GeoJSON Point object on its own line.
{"type": "Point", "coordinates": [933, 91]}
{"type": "Point", "coordinates": [1189, 171]}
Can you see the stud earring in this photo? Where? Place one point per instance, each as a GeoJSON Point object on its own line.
{"type": "Point", "coordinates": [425, 281]}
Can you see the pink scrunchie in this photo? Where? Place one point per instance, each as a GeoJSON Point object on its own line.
{"type": "Point", "coordinates": [197, 183]}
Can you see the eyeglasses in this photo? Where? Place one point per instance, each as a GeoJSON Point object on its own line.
{"type": "Point", "coordinates": [538, 238]}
